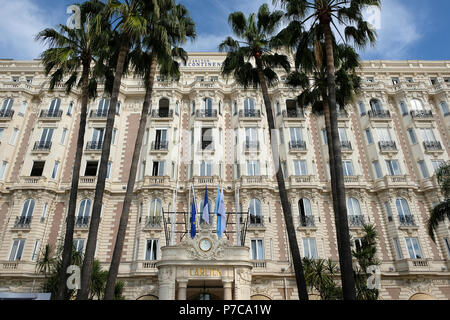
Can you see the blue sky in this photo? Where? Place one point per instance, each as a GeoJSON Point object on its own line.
{"type": "Point", "coordinates": [410, 29]}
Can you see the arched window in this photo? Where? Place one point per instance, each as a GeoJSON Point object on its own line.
{"type": "Point", "coordinates": [417, 105]}
{"type": "Point", "coordinates": [84, 213]}
{"type": "Point", "coordinates": [304, 207]}
{"type": "Point", "coordinates": [255, 211]}
{"type": "Point", "coordinates": [155, 211]}
{"type": "Point", "coordinates": [404, 214]}
{"type": "Point", "coordinates": [54, 107]}
{"type": "Point", "coordinates": [445, 109]}
{"type": "Point", "coordinates": [403, 108]}
{"type": "Point", "coordinates": [376, 105]}
{"type": "Point", "coordinates": [6, 109]}
{"type": "Point", "coordinates": [353, 207]}
{"type": "Point", "coordinates": [164, 105]}
{"type": "Point", "coordinates": [28, 208]}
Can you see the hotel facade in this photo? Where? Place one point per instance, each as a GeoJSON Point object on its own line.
{"type": "Point", "coordinates": [205, 130]}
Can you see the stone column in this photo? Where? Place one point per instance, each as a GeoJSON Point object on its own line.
{"type": "Point", "coordinates": [166, 278]}
{"type": "Point", "coordinates": [227, 292]}
{"type": "Point", "coordinates": [182, 288]}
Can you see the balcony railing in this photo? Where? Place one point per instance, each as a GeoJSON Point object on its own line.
{"type": "Point", "coordinates": [6, 114]}
{"type": "Point", "coordinates": [250, 113]}
{"type": "Point", "coordinates": [356, 220]}
{"type": "Point", "coordinates": [163, 113]}
{"type": "Point", "coordinates": [153, 222]}
{"type": "Point", "coordinates": [297, 145]}
{"type": "Point", "coordinates": [50, 114]}
{"type": "Point", "coordinates": [251, 145]}
{"type": "Point", "coordinates": [206, 146]}
{"type": "Point", "coordinates": [379, 114]}
{"type": "Point", "coordinates": [82, 222]}
{"type": "Point", "coordinates": [98, 114]}
{"type": "Point", "coordinates": [160, 145]}
{"type": "Point", "coordinates": [23, 222]}
{"type": "Point", "coordinates": [407, 221]}
{"type": "Point", "coordinates": [387, 146]}
{"type": "Point", "coordinates": [42, 146]}
{"type": "Point", "coordinates": [422, 114]}
{"type": "Point", "coordinates": [432, 145]}
{"type": "Point", "coordinates": [293, 114]}
{"type": "Point", "coordinates": [94, 145]}
{"type": "Point", "coordinates": [307, 221]}
{"type": "Point", "coordinates": [346, 145]}
{"type": "Point", "coordinates": [256, 221]}
{"type": "Point", "coordinates": [206, 113]}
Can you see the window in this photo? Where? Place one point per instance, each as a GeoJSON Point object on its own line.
{"type": "Point", "coordinates": [257, 249]}
{"type": "Point", "coordinates": [347, 165]}
{"type": "Point", "coordinates": [324, 136]}
{"type": "Point", "coordinates": [296, 135]}
{"type": "Point", "coordinates": [55, 104]}
{"type": "Point", "coordinates": [278, 108]}
{"type": "Point", "coordinates": [114, 136]}
{"type": "Point", "coordinates": [158, 168]}
{"type": "Point", "coordinates": [423, 169]}
{"type": "Point", "coordinates": [136, 252]}
{"type": "Point", "coordinates": [1, 133]}
{"type": "Point", "coordinates": [143, 169]}
{"type": "Point", "coordinates": [428, 135]}
{"type": "Point", "coordinates": [255, 211]}
{"type": "Point", "coordinates": [437, 164]}
{"type": "Point", "coordinates": [384, 134]}
{"type": "Point", "coordinates": [445, 109]}
{"type": "Point", "coordinates": [63, 136]}
{"type": "Point", "coordinates": [38, 169]}
{"type": "Point", "coordinates": [416, 105]}
{"type": "Point", "coordinates": [237, 170]}
{"type": "Point", "coordinates": [15, 79]}
{"type": "Point", "coordinates": [35, 249]}
{"type": "Point", "coordinates": [253, 168]}
{"type": "Point", "coordinates": [375, 105]}
{"type": "Point", "coordinates": [46, 137]}
{"type": "Point", "coordinates": [393, 168]}
{"type": "Point", "coordinates": [28, 208]}
{"type": "Point", "coordinates": [69, 109]}
{"type": "Point", "coordinates": [108, 170]}
{"type": "Point", "coordinates": [402, 208]}
{"type": "Point", "coordinates": [97, 138]}
{"type": "Point", "coordinates": [17, 250]}
{"type": "Point", "coordinates": [398, 249]}
{"type": "Point", "coordinates": [251, 135]}
{"type": "Point", "coordinates": [369, 136]}
{"type": "Point", "coordinates": [395, 81]}
{"type": "Point", "coordinates": [44, 212]}
{"type": "Point", "coordinates": [249, 105]}
{"type": "Point", "coordinates": [220, 135]}
{"type": "Point", "coordinates": [55, 170]}
{"type": "Point", "coordinates": [220, 107]}
{"type": "Point", "coordinates": [23, 110]}
{"type": "Point", "coordinates": [3, 169]}
{"type": "Point", "coordinates": [13, 138]}
{"type": "Point", "coordinates": [235, 108]}
{"type": "Point", "coordinates": [193, 107]}
{"type": "Point", "coordinates": [305, 211]}
{"type": "Point", "coordinates": [7, 107]}
{"type": "Point", "coordinates": [353, 207]}
{"type": "Point", "coordinates": [85, 208]}
{"type": "Point", "coordinates": [208, 106]}
{"type": "Point", "coordinates": [447, 245]}
{"type": "Point", "coordinates": [206, 169]}
{"type": "Point", "coordinates": [118, 108]}
{"type": "Point", "coordinates": [151, 250]}
{"type": "Point", "coordinates": [79, 245]}
{"type": "Point", "coordinates": [434, 81]}
{"type": "Point", "coordinates": [358, 244]}
{"type": "Point", "coordinates": [29, 80]}
{"type": "Point", "coordinates": [342, 135]}
{"type": "Point", "coordinates": [388, 211]}
{"type": "Point", "coordinates": [412, 136]}
{"type": "Point", "coordinates": [103, 107]}
{"type": "Point", "coordinates": [403, 108]}
{"type": "Point", "coordinates": [310, 248]}
{"type": "Point", "coordinates": [155, 211]}
{"type": "Point", "coordinates": [207, 138]}
{"type": "Point", "coordinates": [413, 248]}
{"type": "Point", "coordinates": [377, 167]}
{"type": "Point", "coordinates": [409, 79]}
{"type": "Point", "coordinates": [300, 168]}
{"type": "Point", "coordinates": [362, 109]}
{"type": "Point", "coordinates": [91, 169]}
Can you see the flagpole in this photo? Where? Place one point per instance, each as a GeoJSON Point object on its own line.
{"type": "Point", "coordinates": [189, 206]}
{"type": "Point", "coordinates": [237, 216]}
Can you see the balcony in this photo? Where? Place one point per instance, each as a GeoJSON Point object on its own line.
{"type": "Point", "coordinates": [206, 146]}
{"type": "Point", "coordinates": [94, 146]}
{"type": "Point", "coordinates": [154, 182]}
{"type": "Point", "coordinates": [50, 115]}
{"type": "Point", "coordinates": [206, 114]}
{"type": "Point", "coordinates": [293, 115]}
{"type": "Point", "coordinates": [259, 265]}
{"type": "Point", "coordinates": [307, 222]}
{"type": "Point", "coordinates": [6, 115]}
{"type": "Point", "coordinates": [342, 115]}
{"type": "Point", "coordinates": [422, 114]}
{"type": "Point", "coordinates": [413, 265]}
{"type": "Point", "coordinates": [388, 146]}
{"type": "Point", "coordinates": [42, 146]}
{"type": "Point", "coordinates": [23, 222]}
{"type": "Point", "coordinates": [98, 114]}
{"type": "Point", "coordinates": [302, 182]}
{"type": "Point", "coordinates": [296, 146]}
{"type": "Point", "coordinates": [392, 182]}
{"type": "Point", "coordinates": [153, 223]}
{"type": "Point", "coordinates": [82, 222]}
{"type": "Point", "coordinates": [356, 221]}
{"type": "Point", "coordinates": [250, 146]}
{"type": "Point", "coordinates": [346, 146]}
{"type": "Point", "coordinates": [407, 221]}
{"type": "Point", "coordinates": [379, 114]}
{"type": "Point", "coordinates": [352, 180]}
{"type": "Point", "coordinates": [256, 222]}
{"type": "Point", "coordinates": [162, 114]}
{"type": "Point", "coordinates": [249, 114]}
{"type": "Point", "coordinates": [160, 146]}
{"type": "Point", "coordinates": [433, 146]}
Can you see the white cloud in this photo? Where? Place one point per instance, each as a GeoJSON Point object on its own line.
{"type": "Point", "coordinates": [20, 21]}
{"type": "Point", "coordinates": [205, 43]}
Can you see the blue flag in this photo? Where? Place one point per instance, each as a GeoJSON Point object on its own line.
{"type": "Point", "coordinates": [193, 222]}
{"type": "Point", "coordinates": [205, 209]}
{"type": "Point", "coordinates": [222, 213]}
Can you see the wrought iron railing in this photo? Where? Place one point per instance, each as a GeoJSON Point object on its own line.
{"type": "Point", "coordinates": [297, 145]}
{"type": "Point", "coordinates": [422, 114]}
{"type": "Point", "coordinates": [42, 146]}
{"type": "Point", "coordinates": [307, 221]}
{"type": "Point", "coordinates": [407, 220]}
{"type": "Point", "coordinates": [94, 145]}
{"type": "Point", "coordinates": [206, 113]}
{"type": "Point", "coordinates": [293, 114]}
{"type": "Point", "coordinates": [162, 113]}
{"type": "Point", "coordinates": [387, 145]}
{"type": "Point", "coordinates": [50, 114]}
{"type": "Point", "coordinates": [381, 114]}
{"type": "Point", "coordinates": [98, 114]}
{"type": "Point", "coordinates": [160, 145]}
{"type": "Point", "coordinates": [23, 222]}
{"type": "Point", "coordinates": [356, 220]}
{"type": "Point", "coordinates": [6, 114]}
{"type": "Point", "coordinates": [82, 222]}
{"type": "Point", "coordinates": [346, 145]}
{"type": "Point", "coordinates": [250, 113]}
{"type": "Point", "coordinates": [432, 145]}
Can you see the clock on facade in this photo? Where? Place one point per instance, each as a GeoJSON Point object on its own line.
{"type": "Point", "coordinates": [205, 245]}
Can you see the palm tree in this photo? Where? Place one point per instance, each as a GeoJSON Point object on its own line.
{"type": "Point", "coordinates": [173, 26]}
{"type": "Point", "coordinates": [72, 52]}
{"type": "Point", "coordinates": [328, 14]}
{"type": "Point", "coordinates": [46, 262]}
{"type": "Point", "coordinates": [130, 20]}
{"type": "Point", "coordinates": [255, 34]}
{"type": "Point", "coordinates": [442, 210]}
{"type": "Point", "coordinates": [319, 276]}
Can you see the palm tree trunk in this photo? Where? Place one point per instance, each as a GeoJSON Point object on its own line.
{"type": "Point", "coordinates": [115, 262]}
{"type": "Point", "coordinates": [345, 255]}
{"type": "Point", "coordinates": [88, 262]}
{"type": "Point", "coordinates": [70, 222]}
{"type": "Point", "coordinates": [292, 236]}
